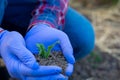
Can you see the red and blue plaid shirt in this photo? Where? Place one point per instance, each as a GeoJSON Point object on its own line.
{"type": "Point", "coordinates": [50, 12]}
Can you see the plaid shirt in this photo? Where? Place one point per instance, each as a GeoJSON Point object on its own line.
{"type": "Point", "coordinates": [50, 12]}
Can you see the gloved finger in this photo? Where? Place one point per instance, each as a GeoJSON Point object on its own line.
{"type": "Point", "coordinates": [57, 48]}
{"type": "Point", "coordinates": [69, 69]}
{"type": "Point", "coordinates": [41, 71]}
{"type": "Point", "coordinates": [25, 56]}
{"type": "Point", "coordinates": [67, 49]}
{"type": "Point", "coordinates": [50, 77]}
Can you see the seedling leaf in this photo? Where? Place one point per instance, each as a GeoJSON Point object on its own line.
{"type": "Point", "coordinates": [42, 51]}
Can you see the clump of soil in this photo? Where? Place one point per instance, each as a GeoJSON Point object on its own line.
{"type": "Point", "coordinates": [55, 59]}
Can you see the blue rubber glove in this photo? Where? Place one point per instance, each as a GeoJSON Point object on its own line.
{"type": "Point", "coordinates": [50, 77]}
{"type": "Point", "coordinates": [19, 61]}
{"type": "Point", "coordinates": [46, 35]}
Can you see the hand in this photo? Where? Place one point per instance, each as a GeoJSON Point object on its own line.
{"type": "Point", "coordinates": [19, 61]}
{"type": "Point", "coordinates": [46, 35]}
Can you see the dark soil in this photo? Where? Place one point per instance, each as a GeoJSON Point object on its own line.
{"type": "Point", "coordinates": [55, 59]}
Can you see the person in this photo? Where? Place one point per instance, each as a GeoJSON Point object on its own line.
{"type": "Point", "coordinates": [51, 21]}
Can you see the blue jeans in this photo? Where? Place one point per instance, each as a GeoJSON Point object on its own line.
{"type": "Point", "coordinates": [77, 27]}
{"type": "Point", "coordinates": [80, 32]}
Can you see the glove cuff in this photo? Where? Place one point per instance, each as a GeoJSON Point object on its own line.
{"type": "Point", "coordinates": [1, 30]}
{"type": "Point", "coordinates": [41, 22]}
{"type": "Point", "coordinates": [35, 29]}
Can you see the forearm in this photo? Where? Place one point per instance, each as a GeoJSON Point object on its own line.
{"type": "Point", "coordinates": [50, 12]}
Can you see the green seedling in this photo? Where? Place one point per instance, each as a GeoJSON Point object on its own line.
{"type": "Point", "coordinates": [43, 52]}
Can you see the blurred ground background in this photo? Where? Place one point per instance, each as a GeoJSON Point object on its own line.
{"type": "Point", "coordinates": [104, 62]}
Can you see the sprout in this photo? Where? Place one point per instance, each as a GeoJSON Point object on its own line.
{"type": "Point", "coordinates": [45, 53]}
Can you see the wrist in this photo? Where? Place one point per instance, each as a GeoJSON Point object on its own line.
{"type": "Point", "coordinates": [41, 23]}
{"type": "Point", "coordinates": [1, 32]}
{"type": "Point", "coordinates": [36, 28]}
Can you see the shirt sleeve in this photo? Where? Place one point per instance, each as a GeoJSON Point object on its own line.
{"type": "Point", "coordinates": [1, 30]}
{"type": "Point", "coordinates": [50, 12]}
